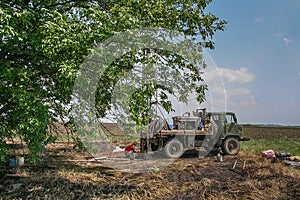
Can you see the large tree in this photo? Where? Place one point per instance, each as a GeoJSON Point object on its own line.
{"type": "Point", "coordinates": [43, 44]}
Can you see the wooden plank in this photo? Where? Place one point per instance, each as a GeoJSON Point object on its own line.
{"type": "Point", "coordinates": [292, 163]}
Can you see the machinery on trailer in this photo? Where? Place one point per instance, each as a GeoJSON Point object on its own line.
{"type": "Point", "coordinates": [203, 131]}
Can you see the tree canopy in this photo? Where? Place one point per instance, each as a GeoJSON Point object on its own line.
{"type": "Point", "coordinates": [44, 43]}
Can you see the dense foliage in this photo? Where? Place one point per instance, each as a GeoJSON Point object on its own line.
{"type": "Point", "coordinates": [43, 44]}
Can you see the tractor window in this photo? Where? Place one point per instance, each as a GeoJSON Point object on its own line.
{"type": "Point", "coordinates": [229, 119]}
{"type": "Point", "coordinates": [218, 117]}
{"type": "Point", "coordinates": [215, 117]}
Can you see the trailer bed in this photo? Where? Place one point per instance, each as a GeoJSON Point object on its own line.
{"type": "Point", "coordinates": [184, 132]}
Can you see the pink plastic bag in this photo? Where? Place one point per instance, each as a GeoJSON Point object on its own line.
{"type": "Point", "coordinates": [268, 153]}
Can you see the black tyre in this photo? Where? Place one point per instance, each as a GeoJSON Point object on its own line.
{"type": "Point", "coordinates": [173, 148]}
{"type": "Point", "coordinates": [231, 146]}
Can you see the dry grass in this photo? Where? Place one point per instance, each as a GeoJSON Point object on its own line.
{"type": "Point", "coordinates": [186, 178]}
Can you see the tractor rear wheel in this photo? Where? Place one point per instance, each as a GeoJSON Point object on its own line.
{"type": "Point", "coordinates": [173, 148]}
{"type": "Point", "coordinates": [231, 146]}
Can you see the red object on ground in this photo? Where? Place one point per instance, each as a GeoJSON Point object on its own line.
{"type": "Point", "coordinates": [129, 148]}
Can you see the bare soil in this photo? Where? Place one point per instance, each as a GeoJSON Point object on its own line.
{"type": "Point", "coordinates": [66, 173]}
{"type": "Point", "coordinates": [266, 132]}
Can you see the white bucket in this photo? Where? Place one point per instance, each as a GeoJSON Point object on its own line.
{"type": "Point", "coordinates": [20, 161]}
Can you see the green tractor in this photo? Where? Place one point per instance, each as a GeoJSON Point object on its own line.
{"type": "Point", "coordinates": [204, 131]}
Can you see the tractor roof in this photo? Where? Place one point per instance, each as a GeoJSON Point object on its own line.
{"type": "Point", "coordinates": [220, 113]}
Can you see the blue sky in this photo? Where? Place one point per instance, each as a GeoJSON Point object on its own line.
{"type": "Point", "coordinates": [258, 57]}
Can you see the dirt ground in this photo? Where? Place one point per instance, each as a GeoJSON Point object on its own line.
{"type": "Point", "coordinates": [267, 132]}
{"type": "Point", "coordinates": [66, 173]}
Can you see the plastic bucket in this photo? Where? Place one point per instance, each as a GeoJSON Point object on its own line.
{"type": "Point", "coordinates": [20, 161]}
{"type": "Point", "coordinates": [13, 162]}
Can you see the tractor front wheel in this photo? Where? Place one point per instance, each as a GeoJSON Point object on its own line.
{"type": "Point", "coordinates": [173, 148]}
{"type": "Point", "coordinates": [231, 146]}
